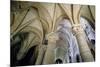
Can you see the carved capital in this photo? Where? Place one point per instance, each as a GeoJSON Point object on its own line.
{"type": "Point", "coordinates": [77, 29]}
{"type": "Point", "coordinates": [52, 37]}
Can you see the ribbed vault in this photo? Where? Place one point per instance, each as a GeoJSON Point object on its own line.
{"type": "Point", "coordinates": [40, 21]}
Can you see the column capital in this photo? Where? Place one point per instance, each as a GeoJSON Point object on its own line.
{"type": "Point", "coordinates": [52, 37]}
{"type": "Point", "coordinates": [77, 29]}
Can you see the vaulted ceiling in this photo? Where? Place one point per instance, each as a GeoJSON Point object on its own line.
{"type": "Point", "coordinates": [39, 19]}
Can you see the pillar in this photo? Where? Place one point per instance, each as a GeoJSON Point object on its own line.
{"type": "Point", "coordinates": [42, 49]}
{"type": "Point", "coordinates": [82, 43]}
{"type": "Point", "coordinates": [50, 53]}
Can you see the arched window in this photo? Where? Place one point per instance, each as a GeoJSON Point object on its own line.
{"type": "Point", "coordinates": [90, 33]}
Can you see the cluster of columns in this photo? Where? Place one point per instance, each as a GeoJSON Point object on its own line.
{"type": "Point", "coordinates": [86, 55]}
{"type": "Point", "coordinates": [50, 52]}
{"type": "Point", "coordinates": [82, 43]}
{"type": "Point", "coordinates": [84, 49]}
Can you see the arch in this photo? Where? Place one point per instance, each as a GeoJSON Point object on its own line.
{"type": "Point", "coordinates": [90, 22]}
{"type": "Point", "coordinates": [44, 15]}
{"type": "Point", "coordinates": [27, 58]}
{"type": "Point", "coordinates": [90, 33]}
{"type": "Point", "coordinates": [33, 30]}
{"type": "Point", "coordinates": [45, 25]}
{"type": "Point", "coordinates": [26, 28]}
{"type": "Point", "coordinates": [68, 7]}
{"type": "Point", "coordinates": [24, 25]}
{"type": "Point", "coordinates": [85, 12]}
{"type": "Point", "coordinates": [64, 38]}
{"type": "Point", "coordinates": [59, 19]}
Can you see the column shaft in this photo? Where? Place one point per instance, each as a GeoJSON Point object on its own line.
{"type": "Point", "coordinates": [82, 43]}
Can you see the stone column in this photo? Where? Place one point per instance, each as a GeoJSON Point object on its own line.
{"type": "Point", "coordinates": [42, 49]}
{"type": "Point", "coordinates": [50, 53]}
{"type": "Point", "coordinates": [82, 43]}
